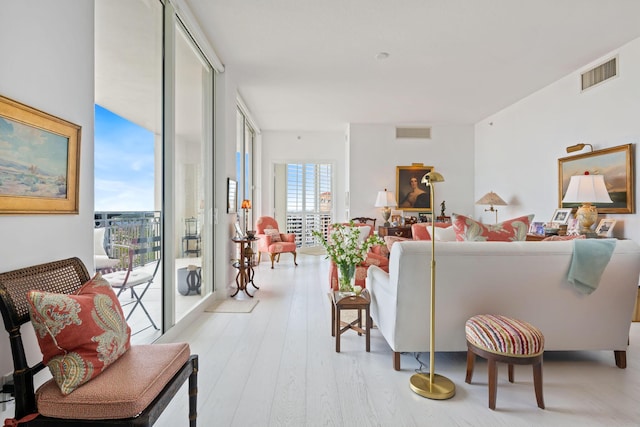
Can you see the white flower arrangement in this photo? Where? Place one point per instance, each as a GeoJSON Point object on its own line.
{"type": "Point", "coordinates": [345, 249]}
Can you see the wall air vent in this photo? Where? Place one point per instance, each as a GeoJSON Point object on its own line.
{"type": "Point", "coordinates": [413, 132]}
{"type": "Point", "coordinates": [600, 73]}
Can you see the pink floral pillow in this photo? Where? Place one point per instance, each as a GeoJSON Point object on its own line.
{"type": "Point", "coordinates": [79, 335]}
{"type": "Point", "coordinates": [274, 234]}
{"type": "Point", "coordinates": [390, 240]}
{"type": "Point", "coordinates": [512, 230]}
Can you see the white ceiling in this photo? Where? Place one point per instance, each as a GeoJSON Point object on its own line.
{"type": "Point", "coordinates": [310, 64]}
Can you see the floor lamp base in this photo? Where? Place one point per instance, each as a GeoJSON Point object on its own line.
{"type": "Point", "coordinates": [441, 389]}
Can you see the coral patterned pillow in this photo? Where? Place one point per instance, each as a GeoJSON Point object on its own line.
{"type": "Point", "coordinates": [512, 230]}
{"type": "Point", "coordinates": [79, 335]}
{"type": "Point", "coordinates": [274, 234]}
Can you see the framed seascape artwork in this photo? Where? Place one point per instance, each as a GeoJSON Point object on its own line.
{"type": "Point", "coordinates": [232, 198]}
{"type": "Point", "coordinates": [412, 195]}
{"type": "Point", "coordinates": [39, 161]}
{"type": "Point", "coordinates": [615, 164]}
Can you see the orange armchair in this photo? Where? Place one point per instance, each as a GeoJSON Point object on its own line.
{"type": "Point", "coordinates": [271, 241]}
{"type": "Point", "coordinates": [378, 255]}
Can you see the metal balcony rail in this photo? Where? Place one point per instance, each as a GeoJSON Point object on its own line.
{"type": "Point", "coordinates": [123, 228]}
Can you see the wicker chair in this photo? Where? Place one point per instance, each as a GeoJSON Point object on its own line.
{"type": "Point", "coordinates": [133, 391]}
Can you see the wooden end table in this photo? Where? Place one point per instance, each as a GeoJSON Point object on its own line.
{"type": "Point", "coordinates": [340, 302]}
{"type": "Point", "coordinates": [244, 265]}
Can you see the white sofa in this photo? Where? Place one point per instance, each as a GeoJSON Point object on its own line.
{"type": "Point", "coordinates": [525, 280]}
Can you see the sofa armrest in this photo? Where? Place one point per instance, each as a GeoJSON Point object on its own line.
{"type": "Point", "coordinates": [383, 298]}
{"type": "Point", "coordinates": [378, 280]}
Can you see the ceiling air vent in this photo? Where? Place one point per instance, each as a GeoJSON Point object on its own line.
{"type": "Point", "coordinates": [413, 133]}
{"type": "Point", "coordinates": [600, 73]}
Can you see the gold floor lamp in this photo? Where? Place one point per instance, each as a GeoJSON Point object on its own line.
{"type": "Point", "coordinates": [432, 386]}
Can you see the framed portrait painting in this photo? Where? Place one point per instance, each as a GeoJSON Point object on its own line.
{"type": "Point", "coordinates": [615, 164]}
{"type": "Point", "coordinates": [411, 194]}
{"type": "Point", "coordinates": [39, 161]}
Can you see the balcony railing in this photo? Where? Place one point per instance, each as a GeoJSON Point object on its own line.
{"type": "Point", "coordinates": [122, 228]}
{"type": "Point", "coordinates": [303, 224]}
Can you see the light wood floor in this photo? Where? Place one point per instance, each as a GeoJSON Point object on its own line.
{"type": "Point", "coordinates": [277, 366]}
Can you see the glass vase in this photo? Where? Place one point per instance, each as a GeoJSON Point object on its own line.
{"type": "Point", "coordinates": [346, 277]}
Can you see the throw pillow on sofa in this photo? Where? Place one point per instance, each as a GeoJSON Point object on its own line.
{"type": "Point", "coordinates": [79, 335]}
{"type": "Point", "coordinates": [444, 234]}
{"type": "Point", "coordinates": [511, 230]}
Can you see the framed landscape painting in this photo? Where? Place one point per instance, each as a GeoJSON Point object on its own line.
{"type": "Point", "coordinates": [39, 161]}
{"type": "Point", "coordinates": [411, 193]}
{"type": "Point", "coordinates": [615, 164]}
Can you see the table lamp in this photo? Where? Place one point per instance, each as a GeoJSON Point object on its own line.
{"type": "Point", "coordinates": [432, 386]}
{"type": "Point", "coordinates": [385, 200]}
{"type": "Point", "coordinates": [245, 206]}
{"type": "Point", "coordinates": [491, 199]}
{"type": "Point", "coordinates": [587, 189]}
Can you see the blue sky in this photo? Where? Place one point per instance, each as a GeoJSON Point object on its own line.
{"type": "Point", "coordinates": [124, 164]}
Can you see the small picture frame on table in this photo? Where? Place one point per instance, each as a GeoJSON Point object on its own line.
{"type": "Point", "coordinates": [536, 228]}
{"type": "Point", "coordinates": [561, 216]}
{"type": "Point", "coordinates": [239, 233]}
{"type": "Point", "coordinates": [424, 217]}
{"type": "Point", "coordinates": [572, 227]}
{"type": "Point", "coordinates": [605, 227]}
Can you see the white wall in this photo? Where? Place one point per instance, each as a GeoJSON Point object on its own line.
{"type": "Point", "coordinates": [225, 167]}
{"type": "Point", "coordinates": [47, 63]}
{"type": "Point", "coordinates": [293, 147]}
{"type": "Point", "coordinates": [517, 148]}
{"type": "Point", "coordinates": [375, 153]}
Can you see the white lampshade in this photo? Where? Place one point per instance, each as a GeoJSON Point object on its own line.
{"type": "Point", "coordinates": [385, 198]}
{"type": "Point", "coordinates": [587, 189]}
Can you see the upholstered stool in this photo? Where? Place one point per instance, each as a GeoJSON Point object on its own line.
{"type": "Point", "coordinates": [502, 339]}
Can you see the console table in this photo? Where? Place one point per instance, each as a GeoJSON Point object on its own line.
{"type": "Point", "coordinates": [244, 265]}
{"type": "Point", "coordinates": [398, 231]}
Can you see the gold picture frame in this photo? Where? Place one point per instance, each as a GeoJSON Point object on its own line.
{"type": "Point", "coordinates": [615, 163]}
{"type": "Point", "coordinates": [40, 161]}
{"type": "Point", "coordinates": [409, 198]}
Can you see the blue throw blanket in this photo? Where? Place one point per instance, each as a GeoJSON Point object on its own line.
{"type": "Point", "coordinates": [590, 257]}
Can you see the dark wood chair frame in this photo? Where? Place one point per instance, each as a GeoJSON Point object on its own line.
{"type": "Point", "coordinates": [492, 358]}
{"type": "Point", "coordinates": [67, 276]}
{"type": "Point", "coordinates": [365, 220]}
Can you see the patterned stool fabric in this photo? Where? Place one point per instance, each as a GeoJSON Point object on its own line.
{"type": "Point", "coordinates": [504, 335]}
{"type": "Point", "coordinates": [502, 339]}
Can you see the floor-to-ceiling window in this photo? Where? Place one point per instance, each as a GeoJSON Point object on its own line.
{"type": "Point", "coordinates": [128, 139]}
{"type": "Point", "coordinates": [193, 82]}
{"type": "Point", "coordinates": [245, 135]}
{"type": "Point", "coordinates": [308, 199]}
{"type": "Point", "coordinates": [154, 151]}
